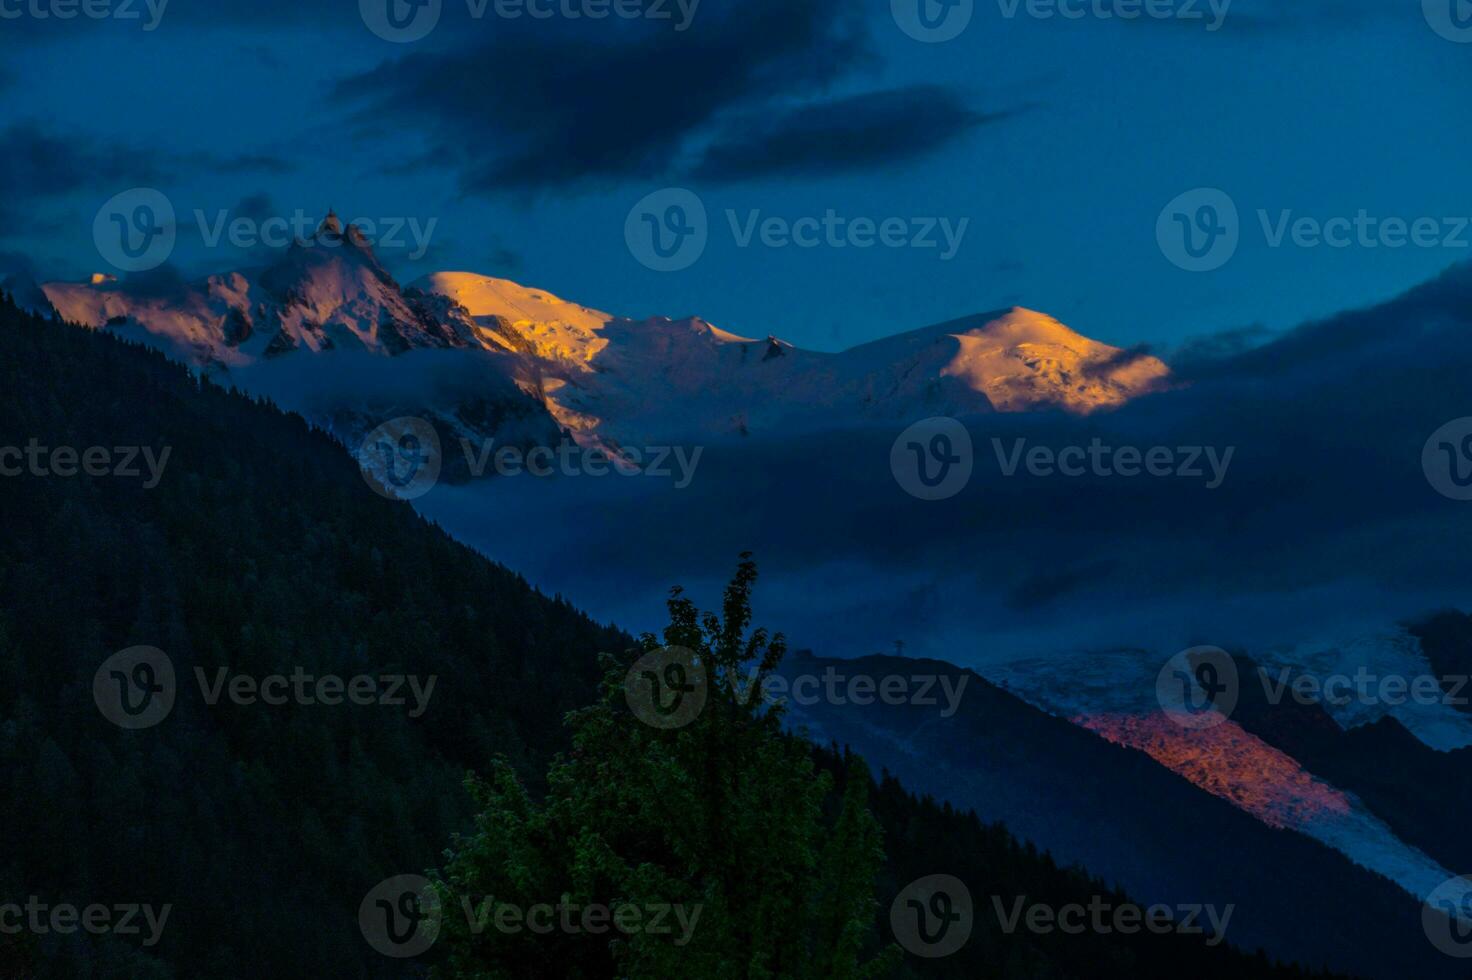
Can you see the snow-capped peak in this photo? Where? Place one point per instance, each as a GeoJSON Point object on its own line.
{"type": "Point", "coordinates": [610, 379]}
{"type": "Point", "coordinates": [1022, 359]}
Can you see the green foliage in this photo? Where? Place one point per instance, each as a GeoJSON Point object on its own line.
{"type": "Point", "coordinates": [723, 818]}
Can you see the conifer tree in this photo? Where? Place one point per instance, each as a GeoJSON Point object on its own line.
{"type": "Point", "coordinates": [722, 818]}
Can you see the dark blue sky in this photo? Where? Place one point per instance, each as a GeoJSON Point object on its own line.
{"type": "Point", "coordinates": [1057, 140]}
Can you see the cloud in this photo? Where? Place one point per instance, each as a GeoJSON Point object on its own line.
{"type": "Point", "coordinates": [1430, 319]}
{"type": "Point", "coordinates": [166, 282]}
{"type": "Point", "coordinates": [12, 263]}
{"type": "Point", "coordinates": [44, 171]}
{"type": "Point", "coordinates": [1044, 587]}
{"type": "Point", "coordinates": [37, 162]}
{"type": "Point", "coordinates": [18, 277]}
{"type": "Point", "coordinates": [503, 258]}
{"type": "Point", "coordinates": [40, 162]}
{"type": "Point", "coordinates": [240, 163]}
{"type": "Point", "coordinates": [1324, 520]}
{"type": "Point", "coordinates": [1121, 359]}
{"type": "Point", "coordinates": [1205, 352]}
{"type": "Point", "coordinates": [855, 133]}
{"type": "Point", "coordinates": [1259, 19]}
{"type": "Point", "coordinates": [254, 207]}
{"type": "Point", "coordinates": [546, 107]}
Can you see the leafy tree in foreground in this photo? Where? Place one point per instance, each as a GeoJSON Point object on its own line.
{"type": "Point", "coordinates": [724, 818]}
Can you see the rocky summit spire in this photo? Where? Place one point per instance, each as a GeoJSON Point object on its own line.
{"type": "Point", "coordinates": [330, 224]}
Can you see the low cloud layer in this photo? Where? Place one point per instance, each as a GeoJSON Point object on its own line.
{"type": "Point", "coordinates": [1324, 524]}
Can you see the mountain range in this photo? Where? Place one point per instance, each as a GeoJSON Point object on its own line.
{"type": "Point", "coordinates": [557, 367]}
{"type": "Point", "coordinates": [260, 826]}
{"type": "Point", "coordinates": [1063, 594]}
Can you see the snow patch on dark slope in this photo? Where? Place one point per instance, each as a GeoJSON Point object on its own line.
{"type": "Point", "coordinates": [1112, 693]}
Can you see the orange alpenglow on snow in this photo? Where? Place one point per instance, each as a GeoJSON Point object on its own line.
{"type": "Point", "coordinates": [1229, 762]}
{"type": "Point", "coordinates": [608, 379]}
{"type": "Point", "coordinates": [1024, 358]}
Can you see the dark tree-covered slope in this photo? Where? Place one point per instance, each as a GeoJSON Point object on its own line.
{"type": "Point", "coordinates": [261, 551]}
